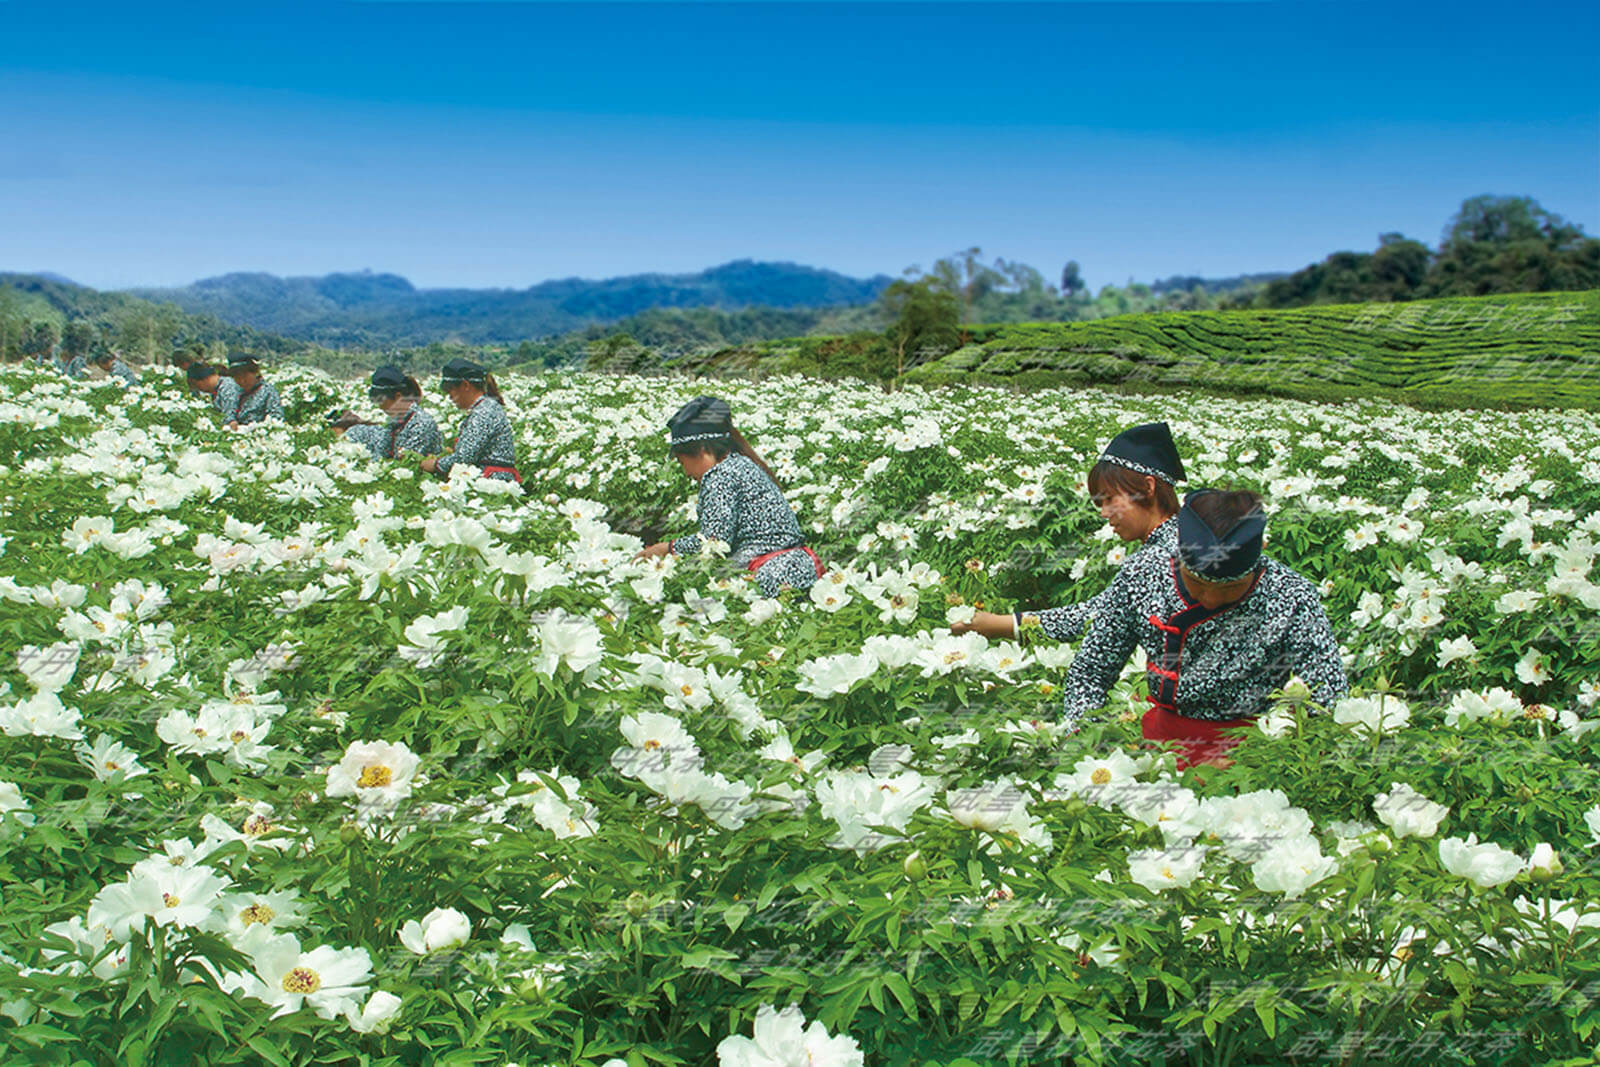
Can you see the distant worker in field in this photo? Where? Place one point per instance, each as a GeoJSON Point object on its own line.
{"type": "Point", "coordinates": [108, 364]}
{"type": "Point", "coordinates": [739, 501]}
{"type": "Point", "coordinates": [1132, 485]}
{"type": "Point", "coordinates": [257, 399]}
{"type": "Point", "coordinates": [1222, 627]}
{"type": "Point", "coordinates": [209, 380]}
{"type": "Point", "coordinates": [187, 356]}
{"type": "Point", "coordinates": [409, 429]}
{"type": "Point", "coordinates": [485, 440]}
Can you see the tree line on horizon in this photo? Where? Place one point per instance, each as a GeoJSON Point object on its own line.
{"type": "Point", "coordinates": [1492, 244]}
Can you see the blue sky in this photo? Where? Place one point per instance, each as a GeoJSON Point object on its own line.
{"type": "Point", "coordinates": [501, 144]}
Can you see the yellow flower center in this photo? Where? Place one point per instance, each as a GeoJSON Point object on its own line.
{"type": "Point", "coordinates": [170, 900]}
{"type": "Point", "coordinates": [112, 766]}
{"type": "Point", "coordinates": [1100, 776]}
{"type": "Point", "coordinates": [651, 745]}
{"type": "Point", "coordinates": [255, 825]}
{"type": "Point", "coordinates": [237, 736]}
{"type": "Point", "coordinates": [302, 980]}
{"type": "Point", "coordinates": [686, 690]}
{"type": "Point", "coordinates": [1166, 872]}
{"type": "Point", "coordinates": [375, 776]}
{"type": "Point", "coordinates": [954, 657]}
{"type": "Point", "coordinates": [256, 913]}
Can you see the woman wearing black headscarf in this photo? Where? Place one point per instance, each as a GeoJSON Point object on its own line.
{"type": "Point", "coordinates": [1222, 627]}
{"type": "Point", "coordinates": [485, 440]}
{"type": "Point", "coordinates": [257, 399]}
{"type": "Point", "coordinates": [1132, 486]}
{"type": "Point", "coordinates": [739, 500]}
{"type": "Point", "coordinates": [410, 428]}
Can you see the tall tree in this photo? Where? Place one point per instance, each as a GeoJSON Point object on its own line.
{"type": "Point", "coordinates": [925, 319]}
{"type": "Point", "coordinates": [13, 323]}
{"type": "Point", "coordinates": [148, 329]}
{"type": "Point", "coordinates": [41, 341]}
{"type": "Point", "coordinates": [77, 338]}
{"type": "Point", "coordinates": [1072, 282]}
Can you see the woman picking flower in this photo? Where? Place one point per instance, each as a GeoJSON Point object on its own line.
{"type": "Point", "coordinates": [257, 400]}
{"type": "Point", "coordinates": [409, 429]}
{"type": "Point", "coordinates": [1222, 627]}
{"type": "Point", "coordinates": [1132, 486]}
{"type": "Point", "coordinates": [739, 502]}
{"type": "Point", "coordinates": [485, 440]}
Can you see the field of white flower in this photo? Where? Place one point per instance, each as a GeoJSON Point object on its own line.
{"type": "Point", "coordinates": [307, 758]}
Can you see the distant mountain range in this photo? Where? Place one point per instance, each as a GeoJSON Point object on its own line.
{"type": "Point", "coordinates": [377, 310]}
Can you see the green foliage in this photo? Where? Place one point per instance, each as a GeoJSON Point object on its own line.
{"type": "Point", "coordinates": [1493, 244]}
{"type": "Point", "coordinates": [924, 321]}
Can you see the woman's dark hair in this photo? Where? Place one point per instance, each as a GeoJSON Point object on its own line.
{"type": "Point", "coordinates": [1222, 509]}
{"type": "Point", "coordinates": [491, 387]}
{"type": "Point", "coordinates": [1107, 479]}
{"type": "Point", "coordinates": [721, 446]}
{"type": "Point", "coordinates": [199, 372]}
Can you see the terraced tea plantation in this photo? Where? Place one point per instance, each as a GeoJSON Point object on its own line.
{"type": "Point", "coordinates": [1525, 349]}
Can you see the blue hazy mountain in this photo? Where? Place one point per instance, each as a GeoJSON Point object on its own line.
{"type": "Point", "coordinates": [376, 309]}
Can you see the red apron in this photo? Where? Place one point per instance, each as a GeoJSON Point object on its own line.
{"type": "Point", "coordinates": [1199, 740]}
{"type": "Point", "coordinates": [484, 472]}
{"type": "Point", "coordinates": [760, 561]}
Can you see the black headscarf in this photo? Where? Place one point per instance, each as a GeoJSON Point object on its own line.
{"type": "Point", "coordinates": [1147, 449]}
{"type": "Point", "coordinates": [1215, 557]}
{"type": "Point", "coordinates": [701, 419]}
{"type": "Point", "coordinates": [462, 370]}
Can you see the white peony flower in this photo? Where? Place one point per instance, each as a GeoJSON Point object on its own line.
{"type": "Point", "coordinates": [1377, 714]}
{"type": "Point", "coordinates": [1533, 668]}
{"type": "Point", "coordinates": [110, 759]}
{"type": "Point", "coordinates": [440, 929]}
{"type": "Point", "coordinates": [860, 803]}
{"type": "Point", "coordinates": [837, 674]}
{"type": "Point", "coordinates": [12, 800]}
{"type": "Point", "coordinates": [1407, 812]}
{"type": "Point", "coordinates": [1486, 865]}
{"type": "Point", "coordinates": [1292, 866]}
{"type": "Point", "coordinates": [50, 668]}
{"type": "Point", "coordinates": [1591, 819]}
{"type": "Point", "coordinates": [1174, 867]}
{"type": "Point", "coordinates": [171, 896]}
{"type": "Point", "coordinates": [1102, 780]}
{"type": "Point", "coordinates": [42, 716]}
{"type": "Point", "coordinates": [830, 596]}
{"type": "Point", "coordinates": [377, 1015]}
{"type": "Point", "coordinates": [1454, 649]}
{"type": "Point", "coordinates": [1497, 705]}
{"type": "Point", "coordinates": [427, 639]}
{"type": "Point", "coordinates": [378, 774]}
{"type": "Point", "coordinates": [782, 1039]}
{"type": "Point", "coordinates": [572, 640]}
{"type": "Point", "coordinates": [330, 981]}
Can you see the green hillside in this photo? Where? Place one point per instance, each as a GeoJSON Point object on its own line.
{"type": "Point", "coordinates": [1525, 349]}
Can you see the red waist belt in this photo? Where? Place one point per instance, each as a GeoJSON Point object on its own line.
{"type": "Point", "coordinates": [761, 561]}
{"type": "Point", "coordinates": [502, 470]}
{"type": "Point", "coordinates": [1199, 740]}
